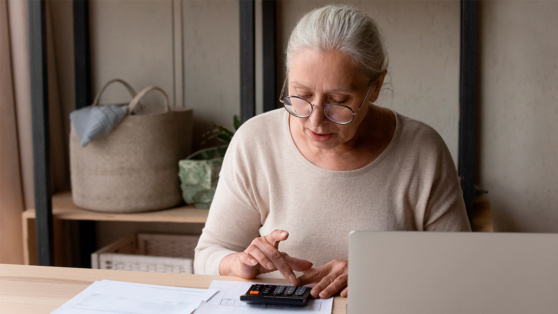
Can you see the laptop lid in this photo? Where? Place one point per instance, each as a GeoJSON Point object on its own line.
{"type": "Point", "coordinates": [395, 272]}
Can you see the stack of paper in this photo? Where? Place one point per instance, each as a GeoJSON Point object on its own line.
{"type": "Point", "coordinates": [108, 296]}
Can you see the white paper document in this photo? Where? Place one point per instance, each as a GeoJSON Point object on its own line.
{"type": "Point", "coordinates": [108, 296]}
{"type": "Point", "coordinates": [227, 300]}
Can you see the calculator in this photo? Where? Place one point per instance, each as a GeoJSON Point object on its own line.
{"type": "Point", "coordinates": [277, 294]}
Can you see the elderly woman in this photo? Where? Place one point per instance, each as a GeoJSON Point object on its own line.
{"type": "Point", "coordinates": [295, 182]}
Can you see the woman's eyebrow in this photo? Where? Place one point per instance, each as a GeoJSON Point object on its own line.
{"type": "Point", "coordinates": [298, 85]}
{"type": "Point", "coordinates": [331, 91]}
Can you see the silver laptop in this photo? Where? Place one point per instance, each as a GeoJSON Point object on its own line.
{"type": "Point", "coordinates": [394, 272]}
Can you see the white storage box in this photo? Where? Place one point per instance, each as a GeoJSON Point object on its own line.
{"type": "Point", "coordinates": [165, 253]}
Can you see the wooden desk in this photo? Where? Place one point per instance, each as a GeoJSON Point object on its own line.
{"type": "Point", "coordinates": [40, 289]}
{"type": "Point", "coordinates": [63, 208]}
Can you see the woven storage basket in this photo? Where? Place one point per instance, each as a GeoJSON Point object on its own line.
{"type": "Point", "coordinates": [164, 253]}
{"type": "Point", "coordinates": [135, 167]}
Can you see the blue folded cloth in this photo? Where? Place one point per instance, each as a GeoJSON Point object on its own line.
{"type": "Point", "coordinates": [95, 121]}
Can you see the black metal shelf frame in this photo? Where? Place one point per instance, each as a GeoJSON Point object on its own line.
{"type": "Point", "coordinates": [40, 132]}
{"type": "Point", "coordinates": [468, 100]}
{"type": "Point", "coordinates": [39, 94]}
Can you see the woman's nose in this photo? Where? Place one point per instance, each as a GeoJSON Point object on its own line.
{"type": "Point", "coordinates": [317, 117]}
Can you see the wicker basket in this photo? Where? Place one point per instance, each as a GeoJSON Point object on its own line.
{"type": "Point", "coordinates": [135, 167]}
{"type": "Point", "coordinates": [164, 253]}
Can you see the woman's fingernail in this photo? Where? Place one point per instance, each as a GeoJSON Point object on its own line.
{"type": "Point", "coordinates": [323, 294]}
{"type": "Point", "coordinates": [269, 265]}
{"type": "Point", "coordinates": [292, 278]}
{"type": "Point", "coordinates": [284, 234]}
{"type": "Point", "coordinates": [253, 261]}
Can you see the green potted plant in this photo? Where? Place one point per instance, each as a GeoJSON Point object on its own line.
{"type": "Point", "coordinates": [199, 172]}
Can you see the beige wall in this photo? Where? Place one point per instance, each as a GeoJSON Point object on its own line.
{"type": "Point", "coordinates": [519, 113]}
{"type": "Point", "coordinates": [190, 48]}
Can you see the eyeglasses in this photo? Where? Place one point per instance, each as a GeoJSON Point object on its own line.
{"type": "Point", "coordinates": [302, 108]}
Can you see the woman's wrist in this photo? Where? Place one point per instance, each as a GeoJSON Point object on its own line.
{"type": "Point", "coordinates": [226, 265]}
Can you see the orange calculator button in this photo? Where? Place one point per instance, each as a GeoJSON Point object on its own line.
{"type": "Point", "coordinates": [254, 292]}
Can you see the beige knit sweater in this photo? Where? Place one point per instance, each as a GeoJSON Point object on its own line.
{"type": "Point", "coordinates": [266, 184]}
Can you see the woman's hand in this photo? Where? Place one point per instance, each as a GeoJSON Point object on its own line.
{"type": "Point", "coordinates": [263, 256]}
{"type": "Point", "coordinates": [329, 278]}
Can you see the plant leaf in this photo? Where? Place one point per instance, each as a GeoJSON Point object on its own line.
{"type": "Point", "coordinates": [236, 122]}
{"type": "Point", "coordinates": [223, 130]}
{"type": "Point", "coordinates": [224, 138]}
{"type": "Point", "coordinates": [221, 133]}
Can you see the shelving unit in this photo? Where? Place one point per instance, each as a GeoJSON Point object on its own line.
{"type": "Point", "coordinates": [53, 209]}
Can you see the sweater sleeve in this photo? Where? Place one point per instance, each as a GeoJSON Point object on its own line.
{"type": "Point", "coordinates": [232, 210]}
{"type": "Point", "coordinates": [446, 208]}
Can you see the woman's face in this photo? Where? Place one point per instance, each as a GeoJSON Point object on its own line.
{"type": "Point", "coordinates": [323, 78]}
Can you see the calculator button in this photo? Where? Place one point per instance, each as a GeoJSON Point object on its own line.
{"type": "Point", "coordinates": [279, 290]}
{"type": "Point", "coordinates": [300, 291]}
{"type": "Point", "coordinates": [254, 292]}
{"type": "Point", "coordinates": [290, 290]}
{"type": "Point", "coordinates": [267, 290]}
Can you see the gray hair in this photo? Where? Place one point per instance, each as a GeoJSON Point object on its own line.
{"type": "Point", "coordinates": [343, 28]}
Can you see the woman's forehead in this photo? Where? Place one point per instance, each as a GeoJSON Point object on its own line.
{"type": "Point", "coordinates": [331, 84]}
{"type": "Point", "coordinates": [329, 87]}
{"type": "Point", "coordinates": [332, 69]}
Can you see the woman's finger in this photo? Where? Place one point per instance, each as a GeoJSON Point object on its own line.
{"type": "Point", "coordinates": [334, 285]}
{"type": "Point", "coordinates": [312, 275]}
{"type": "Point", "coordinates": [298, 264]}
{"type": "Point", "coordinates": [247, 259]}
{"type": "Point", "coordinates": [284, 268]}
{"type": "Point", "coordinates": [267, 255]}
{"type": "Point", "coordinates": [259, 257]}
{"type": "Point", "coordinates": [262, 248]}
{"type": "Point", "coordinates": [247, 267]}
{"type": "Point", "coordinates": [276, 236]}
{"type": "Point", "coordinates": [322, 284]}
{"type": "Point", "coordinates": [329, 278]}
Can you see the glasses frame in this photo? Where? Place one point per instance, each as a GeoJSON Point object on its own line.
{"type": "Point", "coordinates": [281, 99]}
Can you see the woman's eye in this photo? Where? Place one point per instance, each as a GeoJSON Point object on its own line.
{"type": "Point", "coordinates": [338, 101]}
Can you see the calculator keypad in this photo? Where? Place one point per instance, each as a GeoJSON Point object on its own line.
{"type": "Point", "coordinates": [276, 294]}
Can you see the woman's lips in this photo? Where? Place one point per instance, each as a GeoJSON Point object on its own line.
{"type": "Point", "coordinates": [318, 137]}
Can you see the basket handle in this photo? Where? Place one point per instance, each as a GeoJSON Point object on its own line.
{"type": "Point", "coordinates": [144, 92]}
{"type": "Point", "coordinates": [128, 87]}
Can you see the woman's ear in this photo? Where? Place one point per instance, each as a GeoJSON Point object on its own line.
{"type": "Point", "coordinates": [377, 86]}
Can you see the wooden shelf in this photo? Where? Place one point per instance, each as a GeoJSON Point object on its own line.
{"type": "Point", "coordinates": [63, 208]}
{"type": "Point", "coordinates": [481, 216]}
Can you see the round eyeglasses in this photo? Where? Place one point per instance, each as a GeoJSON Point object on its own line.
{"type": "Point", "coordinates": [302, 108]}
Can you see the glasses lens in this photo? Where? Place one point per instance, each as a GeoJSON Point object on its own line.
{"type": "Point", "coordinates": [338, 113]}
{"type": "Point", "coordinates": [297, 106]}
